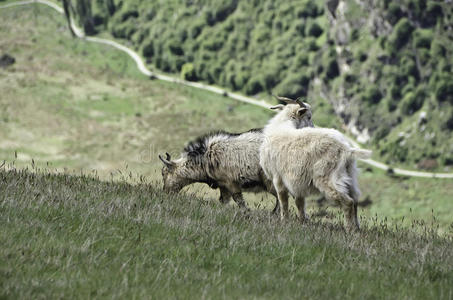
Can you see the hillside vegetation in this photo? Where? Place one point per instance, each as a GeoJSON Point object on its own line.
{"type": "Point", "coordinates": [379, 64]}
{"type": "Point", "coordinates": [77, 237]}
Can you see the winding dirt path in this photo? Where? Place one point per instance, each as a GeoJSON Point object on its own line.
{"type": "Point", "coordinates": [144, 70]}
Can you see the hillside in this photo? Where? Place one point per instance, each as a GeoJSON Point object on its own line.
{"type": "Point", "coordinates": [81, 107]}
{"type": "Point", "coordinates": [384, 67]}
{"type": "Point", "coordinates": [68, 236]}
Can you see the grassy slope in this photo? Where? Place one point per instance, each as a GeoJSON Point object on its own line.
{"type": "Point", "coordinates": [76, 237]}
{"type": "Point", "coordinates": [84, 106]}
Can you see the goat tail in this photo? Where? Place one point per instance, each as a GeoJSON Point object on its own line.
{"type": "Point", "coordinates": [361, 153]}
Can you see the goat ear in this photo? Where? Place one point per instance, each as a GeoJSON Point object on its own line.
{"type": "Point", "coordinates": [302, 110]}
{"type": "Point", "coordinates": [167, 162]}
{"type": "Point", "coordinates": [277, 107]}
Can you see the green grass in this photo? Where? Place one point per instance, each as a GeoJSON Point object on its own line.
{"type": "Point", "coordinates": [68, 236]}
{"type": "Point", "coordinates": [74, 107]}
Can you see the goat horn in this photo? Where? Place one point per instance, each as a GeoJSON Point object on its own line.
{"type": "Point", "coordinates": [168, 156]}
{"type": "Point", "coordinates": [284, 99]}
{"type": "Point", "coordinates": [298, 101]}
{"type": "Point", "coordinates": [166, 162]}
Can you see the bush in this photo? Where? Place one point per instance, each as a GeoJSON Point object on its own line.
{"type": "Point", "coordinates": [148, 49]}
{"type": "Point", "coordinates": [301, 60]}
{"type": "Point", "coordinates": [401, 34]}
{"type": "Point", "coordinates": [397, 152]}
{"type": "Point", "coordinates": [308, 9]}
{"type": "Point", "coordinates": [394, 13]}
{"type": "Point", "coordinates": [254, 86]}
{"type": "Point", "coordinates": [314, 29]}
{"type": "Point", "coordinates": [437, 50]}
{"type": "Point", "coordinates": [423, 56]}
{"type": "Point", "coordinates": [175, 47]}
{"type": "Point", "coordinates": [311, 44]}
{"type": "Point", "coordinates": [332, 70]}
{"type": "Point", "coordinates": [412, 101]}
{"type": "Point", "coordinates": [196, 29]}
{"type": "Point", "coordinates": [408, 67]}
{"type": "Point", "coordinates": [444, 91]}
{"type": "Point", "coordinates": [123, 30]}
{"type": "Point", "coordinates": [448, 125]}
{"type": "Point", "coordinates": [213, 44]}
{"type": "Point", "coordinates": [241, 79]}
{"type": "Point", "coordinates": [188, 72]}
{"type": "Point", "coordinates": [423, 39]}
{"type": "Point", "coordinates": [293, 86]}
{"type": "Point", "coordinates": [432, 13]}
{"type": "Point", "coordinates": [372, 95]}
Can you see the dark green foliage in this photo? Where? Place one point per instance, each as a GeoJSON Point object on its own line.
{"type": "Point", "coordinates": [444, 90]}
{"type": "Point", "coordinates": [413, 101]}
{"type": "Point", "coordinates": [423, 39]}
{"type": "Point", "coordinates": [254, 85]}
{"type": "Point", "coordinates": [433, 12]}
{"type": "Point", "coordinates": [394, 13]}
{"type": "Point", "coordinates": [448, 125]}
{"type": "Point", "coordinates": [438, 50]}
{"type": "Point", "coordinates": [175, 48]}
{"type": "Point", "coordinates": [83, 10]}
{"type": "Point", "coordinates": [148, 49]}
{"type": "Point", "coordinates": [401, 34]}
{"type": "Point", "coordinates": [397, 152]}
{"type": "Point", "coordinates": [314, 30]}
{"type": "Point", "coordinates": [293, 86]}
{"type": "Point", "coordinates": [308, 9]}
{"type": "Point", "coordinates": [372, 95]}
{"type": "Point", "coordinates": [409, 67]}
{"type": "Point", "coordinates": [332, 70]}
{"type": "Point", "coordinates": [188, 72]}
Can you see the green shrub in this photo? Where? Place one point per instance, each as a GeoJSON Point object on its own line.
{"type": "Point", "coordinates": [361, 55]}
{"type": "Point", "coordinates": [448, 125]}
{"type": "Point", "coordinates": [433, 12]}
{"type": "Point", "coordinates": [332, 70]}
{"type": "Point", "coordinates": [188, 72]}
{"type": "Point", "coordinates": [314, 29]}
{"type": "Point", "coordinates": [355, 35]}
{"type": "Point", "coordinates": [301, 60]}
{"type": "Point", "coordinates": [401, 34]}
{"type": "Point", "coordinates": [293, 86]}
{"type": "Point", "coordinates": [412, 101]}
{"type": "Point", "coordinates": [308, 9]}
{"type": "Point", "coordinates": [437, 50]}
{"type": "Point", "coordinates": [148, 49]}
{"type": "Point", "coordinates": [417, 7]}
{"type": "Point", "coordinates": [423, 39]}
{"type": "Point", "coordinates": [254, 86]}
{"type": "Point", "coordinates": [175, 47]}
{"type": "Point", "coordinates": [409, 67]}
{"type": "Point", "coordinates": [394, 13]}
{"type": "Point", "coordinates": [444, 91]}
{"type": "Point", "coordinates": [123, 30]}
{"type": "Point", "coordinates": [423, 56]}
{"type": "Point", "coordinates": [372, 95]}
{"type": "Point", "coordinates": [311, 44]}
{"type": "Point", "coordinates": [299, 27]}
{"type": "Point", "coordinates": [213, 44]}
{"type": "Point", "coordinates": [196, 28]}
{"type": "Point", "coordinates": [397, 152]}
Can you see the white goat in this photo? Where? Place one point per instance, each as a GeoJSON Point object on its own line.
{"type": "Point", "coordinates": [309, 160]}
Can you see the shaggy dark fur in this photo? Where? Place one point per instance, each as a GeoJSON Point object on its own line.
{"type": "Point", "coordinates": [198, 146]}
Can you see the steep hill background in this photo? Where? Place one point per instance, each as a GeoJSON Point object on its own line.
{"type": "Point", "coordinates": [384, 66]}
